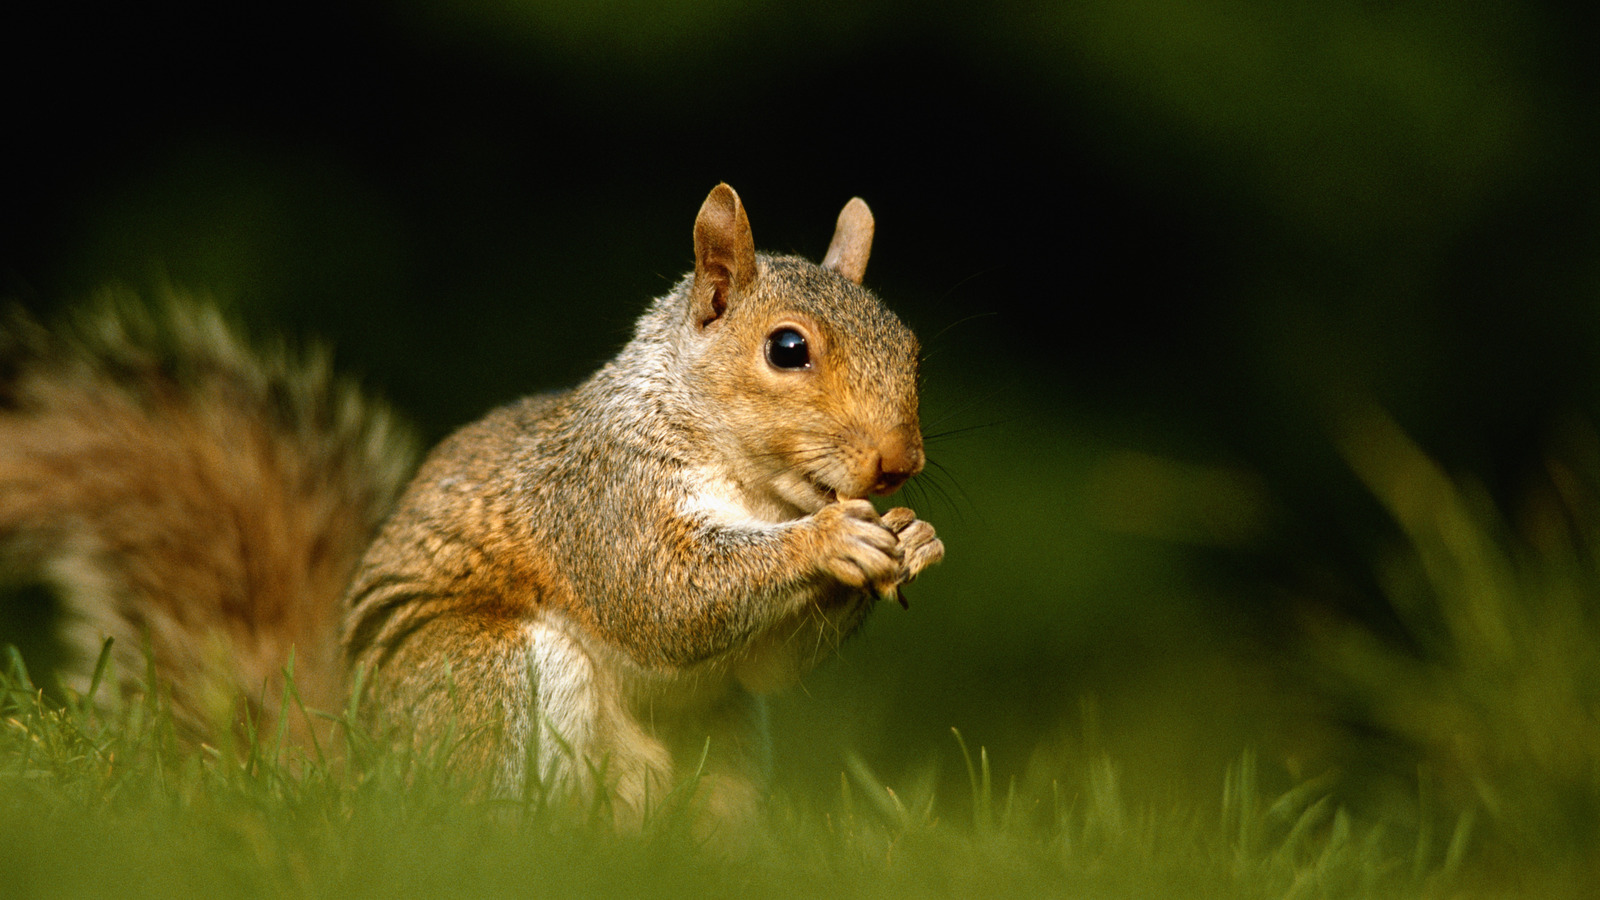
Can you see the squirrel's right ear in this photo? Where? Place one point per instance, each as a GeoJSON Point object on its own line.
{"type": "Point", "coordinates": [724, 254]}
{"type": "Point", "coordinates": [852, 241]}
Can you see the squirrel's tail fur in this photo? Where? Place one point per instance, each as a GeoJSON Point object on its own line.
{"type": "Point", "coordinates": [201, 501]}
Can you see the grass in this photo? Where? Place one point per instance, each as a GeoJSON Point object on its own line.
{"type": "Point", "coordinates": [1494, 682]}
{"type": "Point", "coordinates": [101, 800]}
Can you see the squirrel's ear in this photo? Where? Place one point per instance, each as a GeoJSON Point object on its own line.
{"type": "Point", "coordinates": [724, 254]}
{"type": "Point", "coordinates": [852, 241]}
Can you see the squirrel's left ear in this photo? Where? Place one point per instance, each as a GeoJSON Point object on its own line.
{"type": "Point", "coordinates": [852, 241]}
{"type": "Point", "coordinates": [724, 254]}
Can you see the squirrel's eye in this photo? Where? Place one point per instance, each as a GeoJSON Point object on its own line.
{"type": "Point", "coordinates": [786, 349]}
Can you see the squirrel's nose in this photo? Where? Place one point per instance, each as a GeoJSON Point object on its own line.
{"type": "Point", "coordinates": [899, 458]}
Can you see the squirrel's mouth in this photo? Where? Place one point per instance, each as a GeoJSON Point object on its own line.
{"type": "Point", "coordinates": [818, 493]}
{"type": "Point", "coordinates": [828, 494]}
{"type": "Point", "coordinates": [808, 492]}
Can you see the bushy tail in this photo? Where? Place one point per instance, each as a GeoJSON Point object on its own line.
{"type": "Point", "coordinates": [198, 500]}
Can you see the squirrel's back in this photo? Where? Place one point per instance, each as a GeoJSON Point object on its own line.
{"type": "Point", "coordinates": [200, 500]}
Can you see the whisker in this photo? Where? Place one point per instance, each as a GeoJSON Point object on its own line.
{"type": "Point", "coordinates": [982, 401]}
{"type": "Point", "coordinates": [930, 352]}
{"type": "Point", "coordinates": [821, 629]}
{"type": "Point", "coordinates": [941, 435]}
{"type": "Point", "coordinates": [958, 284]}
{"type": "Point", "coordinates": [958, 502]}
{"type": "Point", "coordinates": [802, 454]}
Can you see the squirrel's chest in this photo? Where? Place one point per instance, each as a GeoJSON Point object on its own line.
{"type": "Point", "coordinates": [720, 499]}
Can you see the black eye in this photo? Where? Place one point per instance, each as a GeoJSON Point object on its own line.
{"type": "Point", "coordinates": [786, 349]}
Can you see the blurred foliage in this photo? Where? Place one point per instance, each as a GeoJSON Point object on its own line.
{"type": "Point", "coordinates": [1494, 680]}
{"type": "Point", "coordinates": [1352, 123]}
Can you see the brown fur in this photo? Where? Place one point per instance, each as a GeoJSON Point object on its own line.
{"type": "Point", "coordinates": [188, 494]}
{"type": "Point", "coordinates": [658, 533]}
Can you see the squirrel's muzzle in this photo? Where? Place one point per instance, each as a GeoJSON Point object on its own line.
{"type": "Point", "coordinates": [899, 458]}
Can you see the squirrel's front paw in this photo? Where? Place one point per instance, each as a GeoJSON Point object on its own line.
{"type": "Point", "coordinates": [920, 547]}
{"type": "Point", "coordinates": [858, 547]}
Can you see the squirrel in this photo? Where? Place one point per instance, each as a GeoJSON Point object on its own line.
{"type": "Point", "coordinates": [592, 588]}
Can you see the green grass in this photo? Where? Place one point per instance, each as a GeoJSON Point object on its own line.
{"type": "Point", "coordinates": [1495, 687]}
{"type": "Point", "coordinates": [105, 802]}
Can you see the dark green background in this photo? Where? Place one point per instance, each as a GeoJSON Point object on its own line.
{"type": "Point", "coordinates": [1151, 246]}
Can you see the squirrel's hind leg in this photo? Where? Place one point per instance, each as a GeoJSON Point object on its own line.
{"type": "Point", "coordinates": [587, 738]}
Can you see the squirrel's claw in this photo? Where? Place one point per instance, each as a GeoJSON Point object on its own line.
{"type": "Point", "coordinates": [898, 518]}
{"type": "Point", "coordinates": [879, 553]}
{"type": "Point", "coordinates": [920, 548]}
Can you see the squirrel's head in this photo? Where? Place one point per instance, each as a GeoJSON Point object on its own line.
{"type": "Point", "coordinates": [813, 380]}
